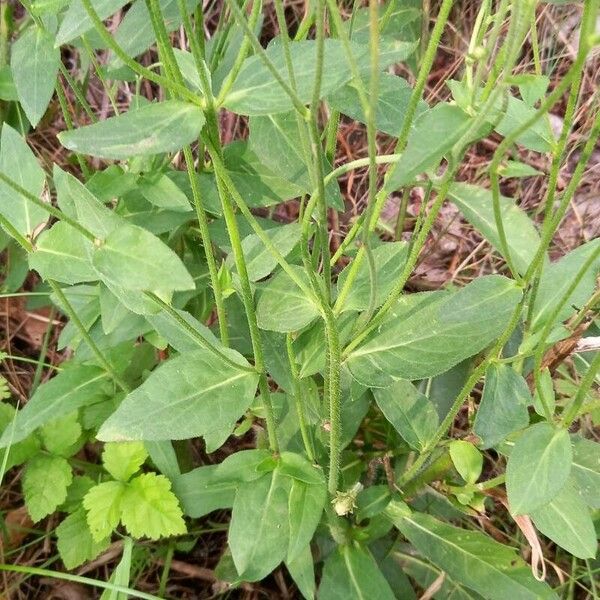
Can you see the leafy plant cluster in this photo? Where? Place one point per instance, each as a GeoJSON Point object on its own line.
{"type": "Point", "coordinates": [189, 316]}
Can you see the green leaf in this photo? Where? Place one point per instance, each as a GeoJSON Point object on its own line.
{"type": "Point", "coordinates": [150, 509]}
{"type": "Point", "coordinates": [503, 406]}
{"type": "Point", "coordinates": [538, 467]}
{"type": "Point", "coordinates": [275, 140]}
{"type": "Point", "coordinates": [103, 506]}
{"type": "Point", "coordinates": [122, 573]}
{"type": "Point", "coordinates": [257, 92]}
{"type": "Point", "coordinates": [533, 87]}
{"type": "Point", "coordinates": [392, 101]}
{"type": "Point", "coordinates": [475, 203]}
{"type": "Point", "coordinates": [433, 135]}
{"type": "Point", "coordinates": [259, 530]}
{"type": "Point", "coordinates": [545, 390]}
{"type": "Point", "coordinates": [515, 168]}
{"type": "Point", "coordinates": [152, 129]}
{"type": "Point", "coordinates": [306, 505]}
{"type": "Point", "coordinates": [351, 572]}
{"type": "Point", "coordinates": [124, 459]}
{"type": "Point", "coordinates": [45, 484]}
{"type": "Point", "coordinates": [296, 466]}
{"type": "Point", "coordinates": [302, 571]}
{"type": "Point", "coordinates": [77, 22]}
{"type": "Point", "coordinates": [409, 411]}
{"type": "Point", "coordinates": [389, 260]}
{"type": "Point", "coordinates": [471, 558]}
{"type": "Point", "coordinates": [566, 520]}
{"type": "Point", "coordinates": [18, 452]}
{"type": "Point", "coordinates": [18, 162]}
{"type": "Point", "coordinates": [75, 542]}
{"type": "Point", "coordinates": [438, 333]}
{"type": "Point", "coordinates": [160, 190]}
{"type": "Point", "coordinates": [191, 395]}
{"type": "Point", "coordinates": [70, 389]}
{"type": "Point", "coordinates": [467, 460]}
{"type": "Point", "coordinates": [557, 278]}
{"type": "Point", "coordinates": [586, 470]}
{"type": "Point", "coordinates": [134, 259]}
{"type": "Point", "coordinates": [283, 306]}
{"type": "Point", "coordinates": [63, 254]}
{"type": "Point", "coordinates": [34, 63]}
{"type": "Point", "coordinates": [61, 435]}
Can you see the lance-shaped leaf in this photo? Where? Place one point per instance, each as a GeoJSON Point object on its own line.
{"type": "Point", "coordinates": [18, 162]}
{"type": "Point", "coordinates": [538, 467]}
{"type": "Point", "coordinates": [471, 558]}
{"type": "Point", "coordinates": [69, 390]}
{"type": "Point", "coordinates": [436, 334]}
{"type": "Point", "coordinates": [566, 520]}
{"type": "Point", "coordinates": [151, 129]}
{"type": "Point", "coordinates": [503, 407]}
{"type": "Point", "coordinates": [194, 394]}
{"type": "Point", "coordinates": [34, 63]}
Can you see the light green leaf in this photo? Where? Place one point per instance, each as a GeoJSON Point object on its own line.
{"type": "Point", "coordinates": [515, 168]}
{"type": "Point", "coordinates": [275, 140]}
{"type": "Point", "coordinates": [283, 306]}
{"type": "Point", "coordinates": [18, 452]}
{"type": "Point", "coordinates": [259, 530]}
{"type": "Point", "coordinates": [77, 22]}
{"type": "Point", "coordinates": [45, 484]}
{"type": "Point", "coordinates": [70, 389]}
{"type": "Point", "coordinates": [163, 192]}
{"type": "Point", "coordinates": [533, 87]}
{"type": "Point", "coordinates": [389, 260]}
{"type": "Point", "coordinates": [18, 162]}
{"type": "Point", "coordinates": [351, 572]}
{"type": "Point", "coordinates": [545, 390]}
{"type": "Point", "coordinates": [60, 435]}
{"type": "Point", "coordinates": [150, 509]}
{"type": "Point", "coordinates": [294, 465]}
{"type": "Point", "coordinates": [122, 573]}
{"type": "Point", "coordinates": [188, 396]}
{"type": "Point", "coordinates": [392, 100]}
{"type": "Point", "coordinates": [34, 63]}
{"type": "Point", "coordinates": [306, 505]}
{"type": "Point", "coordinates": [437, 334]}
{"type": "Point", "coordinates": [557, 278]}
{"type": "Point", "coordinates": [63, 254]}
{"type": "Point", "coordinates": [538, 467]}
{"type": "Point", "coordinates": [123, 459]}
{"type": "Point", "coordinates": [75, 542]}
{"type": "Point", "coordinates": [566, 520]}
{"type": "Point", "coordinates": [302, 571]}
{"type": "Point", "coordinates": [433, 135]}
{"type": "Point", "coordinates": [503, 406]}
{"type": "Point", "coordinates": [586, 470]}
{"type": "Point", "coordinates": [412, 415]}
{"type": "Point", "coordinates": [467, 460]}
{"type": "Point", "coordinates": [471, 558]}
{"type": "Point", "coordinates": [475, 203]}
{"type": "Point", "coordinates": [134, 259]}
{"type": "Point", "coordinates": [152, 129]}
{"type": "Point", "coordinates": [103, 506]}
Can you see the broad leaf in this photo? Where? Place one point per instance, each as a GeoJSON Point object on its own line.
{"type": "Point", "coordinates": [586, 470]}
{"type": "Point", "coordinates": [283, 306]}
{"type": "Point", "coordinates": [467, 460]}
{"type": "Point", "coordinates": [392, 100]}
{"type": "Point", "coordinates": [350, 571]}
{"type": "Point", "coordinates": [471, 558]}
{"type": "Point", "coordinates": [538, 467]}
{"type": "Point", "coordinates": [123, 459]}
{"type": "Point", "coordinates": [436, 334]}
{"type": "Point", "coordinates": [259, 530]}
{"type": "Point", "coordinates": [475, 203]}
{"type": "Point", "coordinates": [150, 509]}
{"type": "Point", "coordinates": [409, 411]}
{"type": "Point", "coordinates": [161, 191]}
{"type": "Point", "coordinates": [45, 484]}
{"type": "Point", "coordinates": [302, 570]}
{"type": "Point", "coordinates": [389, 260]}
{"type": "Point", "coordinates": [503, 406]}
{"type": "Point", "coordinates": [18, 162]}
{"type": "Point", "coordinates": [152, 129]}
{"type": "Point", "coordinates": [18, 452]}
{"type": "Point", "coordinates": [134, 259]}
{"type": "Point", "coordinates": [70, 389]}
{"type": "Point", "coordinates": [103, 506]}
{"type": "Point", "coordinates": [60, 436]}
{"type": "Point", "coordinates": [34, 63]}
{"type": "Point", "coordinates": [75, 542]}
{"type": "Point", "coordinates": [566, 520]}
{"type": "Point", "coordinates": [191, 395]}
